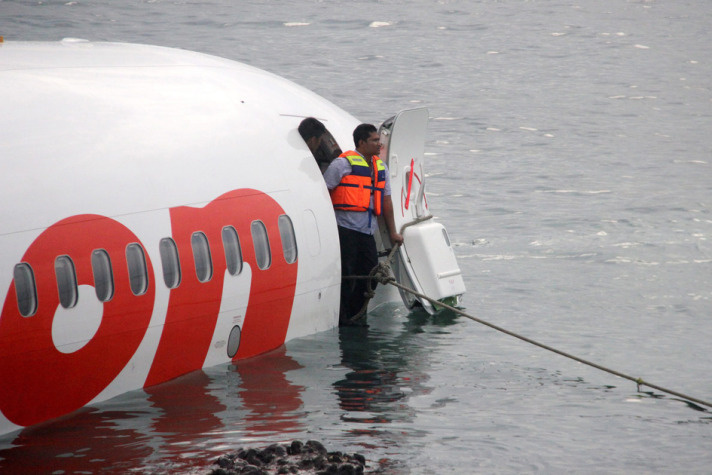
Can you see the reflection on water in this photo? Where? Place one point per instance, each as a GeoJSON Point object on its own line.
{"type": "Point", "coordinates": [387, 365]}
{"type": "Point", "coordinates": [85, 440]}
{"type": "Point", "coordinates": [186, 422]}
{"type": "Point", "coordinates": [187, 411]}
{"type": "Point", "coordinates": [272, 402]}
{"type": "Point", "coordinates": [371, 386]}
{"type": "Point", "coordinates": [175, 424]}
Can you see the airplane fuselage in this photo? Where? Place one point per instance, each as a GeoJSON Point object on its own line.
{"type": "Point", "coordinates": [160, 214]}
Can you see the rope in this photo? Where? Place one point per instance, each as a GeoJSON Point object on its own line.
{"type": "Point", "coordinates": [381, 273]}
{"type": "Point", "coordinates": [639, 381]}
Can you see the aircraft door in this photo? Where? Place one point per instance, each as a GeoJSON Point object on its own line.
{"type": "Point", "coordinates": [426, 261]}
{"type": "Point", "coordinates": [403, 139]}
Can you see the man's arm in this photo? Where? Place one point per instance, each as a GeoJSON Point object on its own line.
{"type": "Point", "coordinates": [390, 220]}
{"type": "Point", "coordinates": [338, 168]}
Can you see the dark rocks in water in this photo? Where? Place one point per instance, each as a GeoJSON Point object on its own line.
{"type": "Point", "coordinates": [296, 457]}
{"type": "Point", "coordinates": [295, 448]}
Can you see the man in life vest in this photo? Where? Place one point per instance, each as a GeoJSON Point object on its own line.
{"type": "Point", "coordinates": [358, 182]}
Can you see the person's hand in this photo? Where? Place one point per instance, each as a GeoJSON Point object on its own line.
{"type": "Point", "coordinates": [396, 238]}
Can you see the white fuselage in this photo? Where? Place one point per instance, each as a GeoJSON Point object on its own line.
{"type": "Point", "coordinates": [115, 150]}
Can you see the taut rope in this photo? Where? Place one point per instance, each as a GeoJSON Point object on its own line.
{"type": "Point", "coordinates": [381, 273]}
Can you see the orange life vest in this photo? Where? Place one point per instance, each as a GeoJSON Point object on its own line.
{"type": "Point", "coordinates": [354, 191]}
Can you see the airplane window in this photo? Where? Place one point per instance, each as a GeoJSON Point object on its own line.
{"type": "Point", "coordinates": [289, 241]}
{"type": "Point", "coordinates": [170, 262]}
{"type": "Point", "coordinates": [233, 253]}
{"type": "Point", "coordinates": [25, 289]}
{"type": "Point", "coordinates": [201, 255]}
{"type": "Point", "coordinates": [138, 275]}
{"type": "Point", "coordinates": [66, 281]}
{"type": "Point", "coordinates": [103, 277]}
{"type": "Point", "coordinates": [233, 341]}
{"type": "Point", "coordinates": [261, 243]}
{"type": "Point", "coordinates": [447, 239]}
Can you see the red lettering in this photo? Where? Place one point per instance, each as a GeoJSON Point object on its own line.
{"type": "Point", "coordinates": [193, 306]}
{"type": "Point", "coordinates": [38, 381]}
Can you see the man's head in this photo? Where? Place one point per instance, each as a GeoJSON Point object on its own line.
{"type": "Point", "coordinates": [367, 140]}
{"type": "Point", "coordinates": [311, 131]}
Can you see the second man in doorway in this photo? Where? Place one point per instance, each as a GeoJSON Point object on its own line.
{"type": "Point", "coordinates": [359, 183]}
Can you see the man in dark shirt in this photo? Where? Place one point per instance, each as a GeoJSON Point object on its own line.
{"type": "Point", "coordinates": [320, 142]}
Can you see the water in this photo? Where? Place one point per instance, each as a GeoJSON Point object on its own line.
{"type": "Point", "coordinates": [569, 157]}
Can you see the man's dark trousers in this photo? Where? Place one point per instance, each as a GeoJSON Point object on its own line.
{"type": "Point", "coordinates": [358, 257]}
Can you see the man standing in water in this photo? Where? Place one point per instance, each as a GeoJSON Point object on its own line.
{"type": "Point", "coordinates": [358, 182]}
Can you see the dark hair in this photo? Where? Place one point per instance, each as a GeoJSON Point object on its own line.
{"type": "Point", "coordinates": [310, 127]}
{"type": "Point", "coordinates": [363, 132]}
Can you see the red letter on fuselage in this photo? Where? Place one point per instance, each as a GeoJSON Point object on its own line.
{"type": "Point", "coordinates": [38, 382]}
{"type": "Point", "coordinates": [193, 306]}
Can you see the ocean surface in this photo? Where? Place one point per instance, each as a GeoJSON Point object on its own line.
{"type": "Point", "coordinates": [570, 158]}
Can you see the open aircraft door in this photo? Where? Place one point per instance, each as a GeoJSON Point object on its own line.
{"type": "Point", "coordinates": [426, 261]}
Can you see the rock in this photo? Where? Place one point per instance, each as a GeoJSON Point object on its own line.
{"type": "Point", "coordinates": [295, 457]}
{"type": "Point", "coordinates": [295, 448]}
{"type": "Point", "coordinates": [252, 470]}
{"type": "Point", "coordinates": [277, 450]}
{"type": "Point", "coordinates": [335, 457]}
{"type": "Point", "coordinates": [319, 462]}
{"type": "Point", "coordinates": [332, 469]}
{"type": "Point", "coordinates": [347, 469]}
{"type": "Point", "coordinates": [222, 471]}
{"type": "Point", "coordinates": [226, 461]}
{"type": "Point", "coordinates": [266, 457]}
{"type": "Point", "coordinates": [314, 446]}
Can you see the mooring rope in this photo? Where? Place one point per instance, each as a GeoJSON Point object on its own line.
{"type": "Point", "coordinates": [381, 273]}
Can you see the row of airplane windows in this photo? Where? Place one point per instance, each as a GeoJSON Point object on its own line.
{"type": "Point", "coordinates": [26, 288]}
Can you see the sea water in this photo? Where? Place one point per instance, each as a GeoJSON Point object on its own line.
{"type": "Point", "coordinates": [569, 155]}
